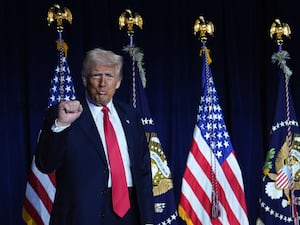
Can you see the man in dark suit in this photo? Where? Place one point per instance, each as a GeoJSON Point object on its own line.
{"type": "Point", "coordinates": [73, 143]}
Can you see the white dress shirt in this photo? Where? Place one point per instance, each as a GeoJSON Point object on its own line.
{"type": "Point", "coordinates": [116, 123]}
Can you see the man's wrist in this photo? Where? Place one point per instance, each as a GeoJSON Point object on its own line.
{"type": "Point", "coordinates": [57, 127]}
{"type": "Point", "coordinates": [60, 124]}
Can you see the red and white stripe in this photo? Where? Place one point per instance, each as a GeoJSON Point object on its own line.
{"type": "Point", "coordinates": [196, 191]}
{"type": "Point", "coordinates": [39, 197]}
{"type": "Point", "coordinates": [282, 180]}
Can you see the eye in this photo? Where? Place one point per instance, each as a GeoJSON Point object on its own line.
{"type": "Point", "coordinates": [95, 76]}
{"type": "Point", "coordinates": [109, 76]}
{"type": "Point", "coordinates": [98, 76]}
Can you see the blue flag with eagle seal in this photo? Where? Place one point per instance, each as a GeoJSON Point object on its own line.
{"type": "Point", "coordinates": [165, 206]}
{"type": "Point", "coordinates": [282, 166]}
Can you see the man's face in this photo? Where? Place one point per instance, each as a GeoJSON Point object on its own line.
{"type": "Point", "coordinates": [102, 83]}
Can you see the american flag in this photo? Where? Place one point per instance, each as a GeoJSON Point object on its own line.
{"type": "Point", "coordinates": [279, 200]}
{"type": "Point", "coordinates": [212, 190]}
{"type": "Point", "coordinates": [165, 206]}
{"type": "Point", "coordinates": [40, 188]}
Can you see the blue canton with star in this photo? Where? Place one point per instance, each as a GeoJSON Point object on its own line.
{"type": "Point", "coordinates": [212, 125]}
{"type": "Point", "coordinates": [62, 88]}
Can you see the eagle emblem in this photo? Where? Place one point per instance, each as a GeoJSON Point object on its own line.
{"type": "Point", "coordinates": [161, 174]}
{"type": "Point", "coordinates": [287, 168]}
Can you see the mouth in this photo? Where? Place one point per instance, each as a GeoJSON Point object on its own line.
{"type": "Point", "coordinates": [101, 92]}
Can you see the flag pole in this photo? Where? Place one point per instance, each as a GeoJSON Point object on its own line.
{"type": "Point", "coordinates": [56, 13]}
{"type": "Point", "coordinates": [278, 31]}
{"type": "Point", "coordinates": [128, 19]}
{"type": "Point", "coordinates": [204, 29]}
{"type": "Point", "coordinates": [212, 190]}
{"type": "Point", "coordinates": [165, 206]}
{"type": "Point", "coordinates": [37, 210]}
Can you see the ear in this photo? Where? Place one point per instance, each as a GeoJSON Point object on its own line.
{"type": "Point", "coordinates": [118, 83]}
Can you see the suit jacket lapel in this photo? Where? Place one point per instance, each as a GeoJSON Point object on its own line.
{"type": "Point", "coordinates": [126, 123]}
{"type": "Point", "coordinates": [87, 124]}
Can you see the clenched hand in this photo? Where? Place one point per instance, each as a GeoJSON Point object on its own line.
{"type": "Point", "coordinates": [68, 112]}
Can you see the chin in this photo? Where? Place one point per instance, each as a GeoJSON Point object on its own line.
{"type": "Point", "coordinates": [101, 101]}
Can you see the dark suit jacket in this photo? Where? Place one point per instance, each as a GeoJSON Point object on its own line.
{"type": "Point", "coordinates": [77, 156]}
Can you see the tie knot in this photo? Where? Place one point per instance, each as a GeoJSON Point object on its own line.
{"type": "Point", "coordinates": [105, 109]}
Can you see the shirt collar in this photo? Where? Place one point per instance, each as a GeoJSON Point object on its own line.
{"type": "Point", "coordinates": [95, 109]}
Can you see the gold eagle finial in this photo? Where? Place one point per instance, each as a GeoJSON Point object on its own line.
{"type": "Point", "coordinates": [129, 18]}
{"type": "Point", "coordinates": [56, 13]}
{"type": "Point", "coordinates": [203, 28]}
{"type": "Point", "coordinates": [279, 30]}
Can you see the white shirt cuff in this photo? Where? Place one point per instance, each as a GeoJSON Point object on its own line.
{"type": "Point", "coordinates": [55, 128]}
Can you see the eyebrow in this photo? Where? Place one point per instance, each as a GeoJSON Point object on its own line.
{"type": "Point", "coordinates": [110, 75]}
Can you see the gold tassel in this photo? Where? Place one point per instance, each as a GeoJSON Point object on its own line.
{"type": "Point", "coordinates": [207, 52]}
{"type": "Point", "coordinates": [60, 44]}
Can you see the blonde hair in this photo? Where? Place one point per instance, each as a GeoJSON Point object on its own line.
{"type": "Point", "coordinates": [103, 57]}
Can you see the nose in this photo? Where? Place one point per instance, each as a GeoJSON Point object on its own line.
{"type": "Point", "coordinates": [102, 81]}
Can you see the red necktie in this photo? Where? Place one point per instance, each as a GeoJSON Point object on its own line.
{"type": "Point", "coordinates": [120, 196]}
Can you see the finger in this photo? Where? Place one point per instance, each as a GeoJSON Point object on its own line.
{"type": "Point", "coordinates": [73, 107]}
{"type": "Point", "coordinates": [80, 108]}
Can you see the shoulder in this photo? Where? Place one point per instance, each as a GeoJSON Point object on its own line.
{"type": "Point", "coordinates": [124, 107]}
{"type": "Point", "coordinates": [127, 111]}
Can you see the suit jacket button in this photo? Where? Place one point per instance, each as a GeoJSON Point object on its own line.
{"type": "Point", "coordinates": [101, 215]}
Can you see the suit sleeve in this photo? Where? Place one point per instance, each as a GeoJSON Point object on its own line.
{"type": "Point", "coordinates": [50, 146]}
